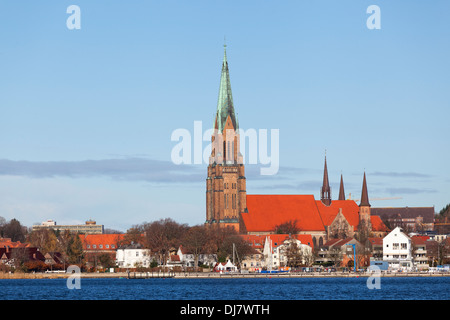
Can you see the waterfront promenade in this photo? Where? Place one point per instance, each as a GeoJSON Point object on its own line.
{"type": "Point", "coordinates": [213, 275]}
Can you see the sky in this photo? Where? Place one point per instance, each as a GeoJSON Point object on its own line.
{"type": "Point", "coordinates": [87, 115]}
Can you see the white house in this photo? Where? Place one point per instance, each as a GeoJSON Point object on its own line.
{"type": "Point", "coordinates": [397, 250]}
{"type": "Point", "coordinates": [188, 259]}
{"type": "Point", "coordinates": [275, 251]}
{"type": "Point", "coordinates": [133, 256]}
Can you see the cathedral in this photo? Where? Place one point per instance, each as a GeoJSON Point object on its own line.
{"type": "Point", "coordinates": [228, 204]}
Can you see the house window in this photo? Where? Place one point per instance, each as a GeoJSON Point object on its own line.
{"type": "Point", "coordinates": [107, 246]}
{"type": "Point", "coordinates": [88, 246]}
{"type": "Point", "coordinates": [395, 246]}
{"type": "Point", "coordinates": [100, 246]}
{"type": "Point", "coordinates": [113, 246]}
{"type": "Point", "coordinates": [94, 246]}
{"type": "Point", "coordinates": [404, 246]}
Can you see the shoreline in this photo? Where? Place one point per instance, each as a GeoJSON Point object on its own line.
{"type": "Point", "coordinates": [214, 275]}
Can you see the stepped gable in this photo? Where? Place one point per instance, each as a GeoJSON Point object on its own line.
{"type": "Point", "coordinates": [350, 210]}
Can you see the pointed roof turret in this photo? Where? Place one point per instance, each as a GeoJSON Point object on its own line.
{"type": "Point", "coordinates": [225, 106]}
{"type": "Point", "coordinates": [364, 194]}
{"type": "Point", "coordinates": [325, 192]}
{"type": "Point", "coordinates": [341, 190]}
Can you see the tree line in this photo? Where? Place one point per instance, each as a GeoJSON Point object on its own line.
{"type": "Point", "coordinates": [161, 237]}
{"type": "Point", "coordinates": [164, 235]}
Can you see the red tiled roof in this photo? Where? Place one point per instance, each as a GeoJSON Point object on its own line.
{"type": "Point", "coordinates": [175, 257]}
{"type": "Point", "coordinates": [7, 243]}
{"type": "Point", "coordinates": [100, 239]}
{"type": "Point", "coordinates": [278, 239]}
{"type": "Point", "coordinates": [337, 242]}
{"type": "Point", "coordinates": [267, 211]}
{"type": "Point", "coordinates": [256, 242]}
{"type": "Point", "coordinates": [419, 239]}
{"type": "Point", "coordinates": [377, 224]}
{"type": "Point", "coordinates": [350, 210]}
{"type": "Point", "coordinates": [376, 240]}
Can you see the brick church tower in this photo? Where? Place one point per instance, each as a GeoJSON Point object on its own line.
{"type": "Point", "coordinates": [364, 207]}
{"type": "Point", "coordinates": [226, 183]}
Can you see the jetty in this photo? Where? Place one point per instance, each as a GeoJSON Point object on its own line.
{"type": "Point", "coordinates": [150, 275]}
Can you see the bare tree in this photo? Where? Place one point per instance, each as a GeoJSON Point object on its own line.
{"type": "Point", "coordinates": [335, 254]}
{"type": "Point", "coordinates": [163, 235]}
{"type": "Point", "coordinates": [293, 253]}
{"type": "Point", "coordinates": [195, 241]}
{"type": "Point", "coordinates": [134, 235]}
{"type": "Point", "coordinates": [288, 227]}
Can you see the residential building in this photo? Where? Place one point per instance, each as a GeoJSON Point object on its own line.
{"type": "Point", "coordinates": [397, 250]}
{"type": "Point", "coordinates": [96, 245]}
{"type": "Point", "coordinates": [101, 243]}
{"type": "Point", "coordinates": [7, 243]}
{"type": "Point", "coordinates": [283, 250]}
{"type": "Point", "coordinates": [132, 256]}
{"type": "Point", "coordinates": [54, 258]}
{"type": "Point", "coordinates": [90, 227]}
{"type": "Point", "coordinates": [374, 245]}
{"type": "Point", "coordinates": [339, 252]}
{"type": "Point", "coordinates": [410, 219]}
{"type": "Point", "coordinates": [419, 252]}
{"type": "Point", "coordinates": [9, 256]}
{"type": "Point", "coordinates": [255, 261]}
{"type": "Point", "coordinates": [188, 259]}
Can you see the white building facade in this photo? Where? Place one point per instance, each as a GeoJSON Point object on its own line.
{"type": "Point", "coordinates": [133, 257]}
{"type": "Point", "coordinates": [275, 256]}
{"type": "Point", "coordinates": [397, 250]}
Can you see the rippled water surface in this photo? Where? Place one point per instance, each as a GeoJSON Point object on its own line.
{"type": "Point", "coordinates": [420, 288]}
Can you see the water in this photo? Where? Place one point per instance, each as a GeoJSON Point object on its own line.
{"type": "Point", "coordinates": [400, 288]}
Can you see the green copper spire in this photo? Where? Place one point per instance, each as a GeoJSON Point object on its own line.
{"type": "Point", "coordinates": [225, 106]}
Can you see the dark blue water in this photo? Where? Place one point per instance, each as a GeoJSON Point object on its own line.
{"type": "Point", "coordinates": [420, 288]}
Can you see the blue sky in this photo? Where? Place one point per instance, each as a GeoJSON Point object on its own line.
{"type": "Point", "coordinates": [86, 115]}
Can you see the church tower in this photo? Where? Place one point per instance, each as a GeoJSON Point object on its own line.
{"type": "Point", "coordinates": [325, 191]}
{"type": "Point", "coordinates": [364, 206]}
{"type": "Point", "coordinates": [341, 190]}
{"type": "Point", "coordinates": [226, 184]}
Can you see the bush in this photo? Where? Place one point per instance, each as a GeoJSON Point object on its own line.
{"type": "Point", "coordinates": [35, 265]}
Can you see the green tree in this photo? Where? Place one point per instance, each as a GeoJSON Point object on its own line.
{"type": "Point", "coordinates": [44, 239]}
{"type": "Point", "coordinates": [74, 250]}
{"type": "Point", "coordinates": [14, 230]}
{"type": "Point", "coordinates": [106, 261]}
